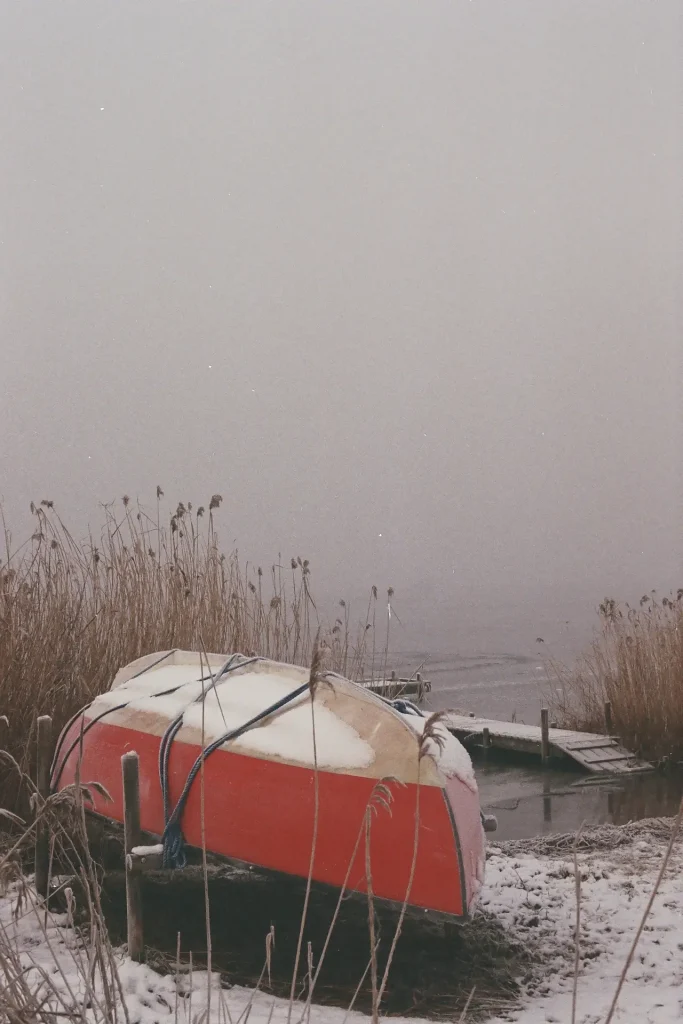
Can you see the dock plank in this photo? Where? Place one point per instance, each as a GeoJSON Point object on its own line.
{"type": "Point", "coordinates": [395, 687]}
{"type": "Point", "coordinates": [595, 753]}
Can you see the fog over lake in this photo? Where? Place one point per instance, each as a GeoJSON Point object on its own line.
{"type": "Point", "coordinates": [400, 280]}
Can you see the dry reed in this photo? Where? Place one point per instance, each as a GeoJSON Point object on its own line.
{"type": "Point", "coordinates": [636, 663]}
{"type": "Point", "coordinates": [72, 613]}
{"type": "Point", "coordinates": [79, 977]}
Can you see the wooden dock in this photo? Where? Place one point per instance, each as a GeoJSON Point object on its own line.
{"type": "Point", "coordinates": [601, 755]}
{"type": "Point", "coordinates": [397, 686]}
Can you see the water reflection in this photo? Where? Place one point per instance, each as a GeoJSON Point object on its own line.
{"type": "Point", "coordinates": [528, 801]}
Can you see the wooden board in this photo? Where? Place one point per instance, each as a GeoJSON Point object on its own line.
{"type": "Point", "coordinates": [597, 754]}
{"type": "Point", "coordinates": [398, 687]}
{"type": "Point", "coordinates": [603, 754]}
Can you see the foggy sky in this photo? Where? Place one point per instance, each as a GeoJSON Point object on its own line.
{"type": "Point", "coordinates": [399, 279]}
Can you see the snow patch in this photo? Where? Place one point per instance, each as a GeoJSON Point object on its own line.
{"type": "Point", "coordinates": [535, 898]}
{"type": "Point", "coordinates": [235, 700]}
{"type": "Point", "coordinates": [451, 758]}
{"type": "Point", "coordinates": [511, 730]}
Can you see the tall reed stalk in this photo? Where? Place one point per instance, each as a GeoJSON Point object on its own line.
{"type": "Point", "coordinates": [636, 663]}
{"type": "Point", "coordinates": [72, 613]}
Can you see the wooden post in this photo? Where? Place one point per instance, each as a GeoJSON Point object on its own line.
{"type": "Point", "coordinates": [43, 762]}
{"type": "Point", "coordinates": [485, 738]}
{"type": "Point", "coordinates": [545, 741]}
{"type": "Point", "coordinates": [130, 769]}
{"type": "Point", "coordinates": [609, 725]}
{"type": "Point", "coordinates": [4, 731]}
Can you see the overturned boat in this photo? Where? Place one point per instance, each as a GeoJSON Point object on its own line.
{"type": "Point", "coordinates": [294, 776]}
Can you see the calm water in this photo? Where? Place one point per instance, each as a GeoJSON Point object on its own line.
{"type": "Point", "coordinates": [526, 800]}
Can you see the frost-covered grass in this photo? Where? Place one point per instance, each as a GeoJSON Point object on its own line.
{"type": "Point", "coordinates": [51, 970]}
{"type": "Point", "coordinates": [72, 613]}
{"type": "Point", "coordinates": [636, 663]}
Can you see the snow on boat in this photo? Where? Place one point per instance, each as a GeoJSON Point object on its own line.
{"type": "Point", "coordinates": [253, 719]}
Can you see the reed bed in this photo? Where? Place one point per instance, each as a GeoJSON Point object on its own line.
{"type": "Point", "coordinates": [636, 663]}
{"type": "Point", "coordinates": [72, 612]}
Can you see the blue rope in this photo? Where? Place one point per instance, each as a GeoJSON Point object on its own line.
{"type": "Point", "coordinates": [173, 848]}
{"type": "Point", "coordinates": [173, 841]}
{"type": "Point", "coordinates": [406, 707]}
{"type": "Point", "coordinates": [164, 756]}
{"type": "Point", "coordinates": [172, 730]}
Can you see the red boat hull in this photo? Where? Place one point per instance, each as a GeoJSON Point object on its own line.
{"type": "Point", "coordinates": [262, 812]}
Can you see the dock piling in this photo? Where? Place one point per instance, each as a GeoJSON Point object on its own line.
{"type": "Point", "coordinates": [130, 769]}
{"type": "Point", "coordinates": [43, 762]}
{"type": "Point", "coordinates": [545, 739]}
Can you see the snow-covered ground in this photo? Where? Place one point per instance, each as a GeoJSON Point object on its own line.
{"type": "Point", "coordinates": [535, 897]}
{"type": "Point", "coordinates": [532, 894]}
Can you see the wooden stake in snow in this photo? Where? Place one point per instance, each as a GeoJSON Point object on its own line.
{"type": "Point", "coordinates": [130, 769]}
{"type": "Point", "coordinates": [43, 761]}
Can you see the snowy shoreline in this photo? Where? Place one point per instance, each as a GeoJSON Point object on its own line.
{"type": "Point", "coordinates": [530, 889]}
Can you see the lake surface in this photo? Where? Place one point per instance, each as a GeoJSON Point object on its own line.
{"type": "Point", "coordinates": [526, 800]}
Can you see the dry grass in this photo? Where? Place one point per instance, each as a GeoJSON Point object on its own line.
{"type": "Point", "coordinates": [636, 663]}
{"type": "Point", "coordinates": [72, 613]}
{"type": "Point", "coordinates": [589, 839]}
{"type": "Point", "coordinates": [76, 977]}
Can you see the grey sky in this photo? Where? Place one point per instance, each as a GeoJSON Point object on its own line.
{"type": "Point", "coordinates": [400, 279]}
